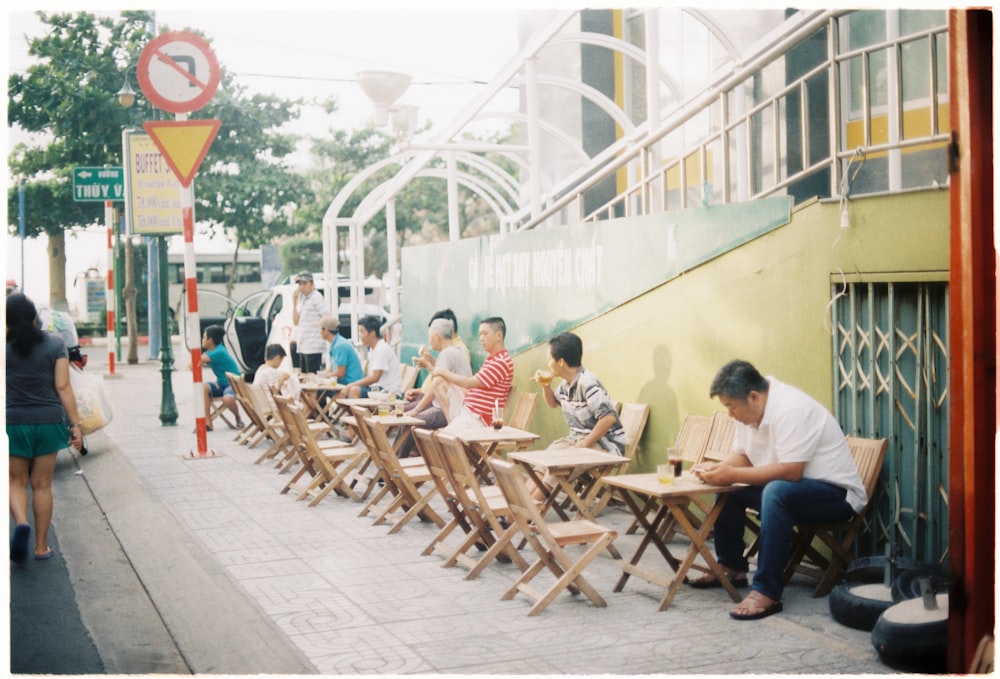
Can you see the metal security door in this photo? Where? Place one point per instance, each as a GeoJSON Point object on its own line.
{"type": "Point", "coordinates": [891, 376]}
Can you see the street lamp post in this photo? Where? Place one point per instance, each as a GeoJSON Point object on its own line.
{"type": "Point", "coordinates": [168, 404]}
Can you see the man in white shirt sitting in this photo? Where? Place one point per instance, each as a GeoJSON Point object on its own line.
{"type": "Point", "coordinates": [794, 457]}
{"type": "Point", "coordinates": [383, 365]}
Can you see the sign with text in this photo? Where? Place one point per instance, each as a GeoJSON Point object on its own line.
{"type": "Point", "coordinates": [152, 191]}
{"type": "Point", "coordinates": [98, 184]}
{"type": "Point", "coordinates": [545, 281]}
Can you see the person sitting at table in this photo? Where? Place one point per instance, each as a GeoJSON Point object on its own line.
{"type": "Point", "coordinates": [446, 397]}
{"type": "Point", "coordinates": [383, 366]}
{"type": "Point", "coordinates": [270, 374]}
{"type": "Point", "coordinates": [217, 357]}
{"type": "Point", "coordinates": [344, 364]}
{"type": "Point", "coordinates": [587, 408]}
{"type": "Point", "coordinates": [794, 457]}
{"type": "Point", "coordinates": [490, 386]}
{"type": "Point", "coordinates": [425, 358]}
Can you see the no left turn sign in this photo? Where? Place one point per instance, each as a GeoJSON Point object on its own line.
{"type": "Point", "coordinates": [178, 72]}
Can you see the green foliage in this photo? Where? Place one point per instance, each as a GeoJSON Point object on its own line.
{"type": "Point", "coordinates": [302, 254]}
{"type": "Point", "coordinates": [243, 187]}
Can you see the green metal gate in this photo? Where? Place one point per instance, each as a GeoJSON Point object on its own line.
{"type": "Point", "coordinates": [891, 380]}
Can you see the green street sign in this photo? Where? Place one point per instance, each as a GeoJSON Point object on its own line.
{"type": "Point", "coordinates": [98, 183]}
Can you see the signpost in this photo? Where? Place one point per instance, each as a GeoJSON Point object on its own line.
{"type": "Point", "coordinates": [105, 185]}
{"type": "Point", "coordinates": [178, 73]}
{"type": "Point", "coordinates": [98, 184]}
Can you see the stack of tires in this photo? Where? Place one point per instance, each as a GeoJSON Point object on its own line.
{"type": "Point", "coordinates": [883, 595]}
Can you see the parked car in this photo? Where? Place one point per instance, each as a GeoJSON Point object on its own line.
{"type": "Point", "coordinates": [266, 318]}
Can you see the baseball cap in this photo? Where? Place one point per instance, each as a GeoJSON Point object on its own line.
{"type": "Point", "coordinates": [331, 323]}
{"type": "Point", "coordinates": [304, 276]}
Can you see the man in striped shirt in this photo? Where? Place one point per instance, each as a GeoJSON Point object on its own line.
{"type": "Point", "coordinates": [488, 388]}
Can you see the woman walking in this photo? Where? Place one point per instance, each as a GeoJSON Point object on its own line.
{"type": "Point", "coordinates": [39, 401]}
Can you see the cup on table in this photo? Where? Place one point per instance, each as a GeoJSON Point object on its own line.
{"type": "Point", "coordinates": [399, 408]}
{"type": "Point", "coordinates": [675, 458]}
{"type": "Point", "coordinates": [665, 473]}
{"type": "Point", "coordinates": [384, 409]}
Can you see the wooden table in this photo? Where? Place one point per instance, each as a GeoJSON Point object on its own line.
{"type": "Point", "coordinates": [481, 443]}
{"type": "Point", "coordinates": [674, 502]}
{"type": "Point", "coordinates": [310, 396]}
{"type": "Point", "coordinates": [575, 471]}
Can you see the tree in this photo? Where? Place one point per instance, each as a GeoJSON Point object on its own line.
{"type": "Point", "coordinates": [243, 186]}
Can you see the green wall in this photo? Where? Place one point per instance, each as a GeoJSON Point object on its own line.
{"type": "Point", "coordinates": [765, 301]}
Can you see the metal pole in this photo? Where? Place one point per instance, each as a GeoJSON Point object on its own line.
{"type": "Point", "coordinates": [20, 224]}
{"type": "Point", "coordinates": [168, 407]}
{"type": "Point", "coordinates": [153, 295]}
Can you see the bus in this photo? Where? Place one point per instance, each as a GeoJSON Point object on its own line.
{"type": "Point", "coordinates": [213, 273]}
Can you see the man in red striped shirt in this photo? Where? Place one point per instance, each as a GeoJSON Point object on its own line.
{"type": "Point", "coordinates": [488, 388]}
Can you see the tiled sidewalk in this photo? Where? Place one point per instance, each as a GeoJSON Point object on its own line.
{"type": "Point", "coordinates": [356, 600]}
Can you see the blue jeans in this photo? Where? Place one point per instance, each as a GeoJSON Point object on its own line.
{"type": "Point", "coordinates": [782, 505]}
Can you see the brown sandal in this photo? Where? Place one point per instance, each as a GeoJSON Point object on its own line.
{"type": "Point", "coordinates": [710, 581]}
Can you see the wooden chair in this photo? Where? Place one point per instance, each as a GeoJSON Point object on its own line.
{"type": "Point", "coordinates": [372, 472]}
{"type": "Point", "coordinates": [548, 541]}
{"type": "Point", "coordinates": [253, 432]}
{"type": "Point", "coordinates": [264, 401]}
{"type": "Point", "coordinates": [429, 449]}
{"type": "Point", "coordinates": [486, 510]}
{"type": "Point", "coordinates": [332, 465]}
{"type": "Point", "coordinates": [633, 417]}
{"type": "Point", "coordinates": [868, 455]}
{"type": "Point", "coordinates": [292, 426]}
{"type": "Point", "coordinates": [409, 374]}
{"type": "Point", "coordinates": [720, 437]}
{"type": "Point", "coordinates": [413, 492]}
{"type": "Point", "coordinates": [523, 411]}
{"type": "Point", "coordinates": [218, 410]}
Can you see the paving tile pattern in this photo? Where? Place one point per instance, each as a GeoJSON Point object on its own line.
{"type": "Point", "coordinates": [356, 600]}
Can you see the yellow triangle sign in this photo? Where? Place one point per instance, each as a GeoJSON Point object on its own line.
{"type": "Point", "coordinates": [183, 144]}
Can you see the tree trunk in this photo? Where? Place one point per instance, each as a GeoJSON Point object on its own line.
{"type": "Point", "coordinates": [57, 272]}
{"type": "Point", "coordinates": [129, 294]}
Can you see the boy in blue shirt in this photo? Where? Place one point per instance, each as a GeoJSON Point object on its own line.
{"type": "Point", "coordinates": [216, 356]}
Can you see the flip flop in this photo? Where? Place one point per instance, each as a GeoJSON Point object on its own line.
{"type": "Point", "coordinates": [19, 543]}
{"type": "Point", "coordinates": [43, 557]}
{"type": "Point", "coordinates": [712, 582]}
{"type": "Point", "coordinates": [774, 607]}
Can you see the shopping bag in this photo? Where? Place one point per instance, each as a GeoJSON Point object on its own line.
{"type": "Point", "coordinates": [91, 402]}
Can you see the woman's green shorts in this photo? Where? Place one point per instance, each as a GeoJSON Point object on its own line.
{"type": "Point", "coordinates": [36, 440]}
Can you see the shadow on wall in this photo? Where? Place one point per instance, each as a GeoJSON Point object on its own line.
{"type": "Point", "coordinates": [663, 411]}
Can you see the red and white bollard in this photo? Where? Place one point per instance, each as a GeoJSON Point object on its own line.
{"type": "Point", "coordinates": [109, 221]}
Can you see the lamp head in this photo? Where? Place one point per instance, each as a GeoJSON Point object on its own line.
{"type": "Point", "coordinates": [383, 88]}
{"type": "Point", "coordinates": [126, 95]}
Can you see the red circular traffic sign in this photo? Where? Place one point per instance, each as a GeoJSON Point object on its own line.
{"type": "Point", "coordinates": [178, 72]}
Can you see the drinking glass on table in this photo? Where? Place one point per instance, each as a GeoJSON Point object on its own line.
{"type": "Point", "coordinates": [675, 458]}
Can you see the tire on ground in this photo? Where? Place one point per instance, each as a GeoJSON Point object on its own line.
{"type": "Point", "coordinates": [911, 638]}
{"type": "Point", "coordinates": [907, 584]}
{"type": "Point", "coordinates": [872, 568]}
{"type": "Point", "coordinates": [859, 605]}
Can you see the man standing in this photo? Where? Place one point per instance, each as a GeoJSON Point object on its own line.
{"type": "Point", "coordinates": [794, 457]}
{"type": "Point", "coordinates": [489, 387]}
{"type": "Point", "coordinates": [345, 365]}
{"type": "Point", "coordinates": [436, 402]}
{"type": "Point", "coordinates": [383, 366]}
{"type": "Point", "coordinates": [308, 308]}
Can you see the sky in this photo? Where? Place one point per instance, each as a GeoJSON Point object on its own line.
{"type": "Point", "coordinates": [310, 53]}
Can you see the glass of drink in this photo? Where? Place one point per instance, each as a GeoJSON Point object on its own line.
{"type": "Point", "coordinates": [665, 473]}
{"type": "Point", "coordinates": [675, 459]}
{"type": "Point", "coordinates": [498, 422]}
{"type": "Point", "coordinates": [383, 409]}
{"type": "Point", "coordinates": [399, 408]}
{"type": "Point", "coordinates": [544, 378]}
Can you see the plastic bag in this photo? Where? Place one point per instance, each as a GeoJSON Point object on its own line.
{"type": "Point", "coordinates": [94, 407]}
